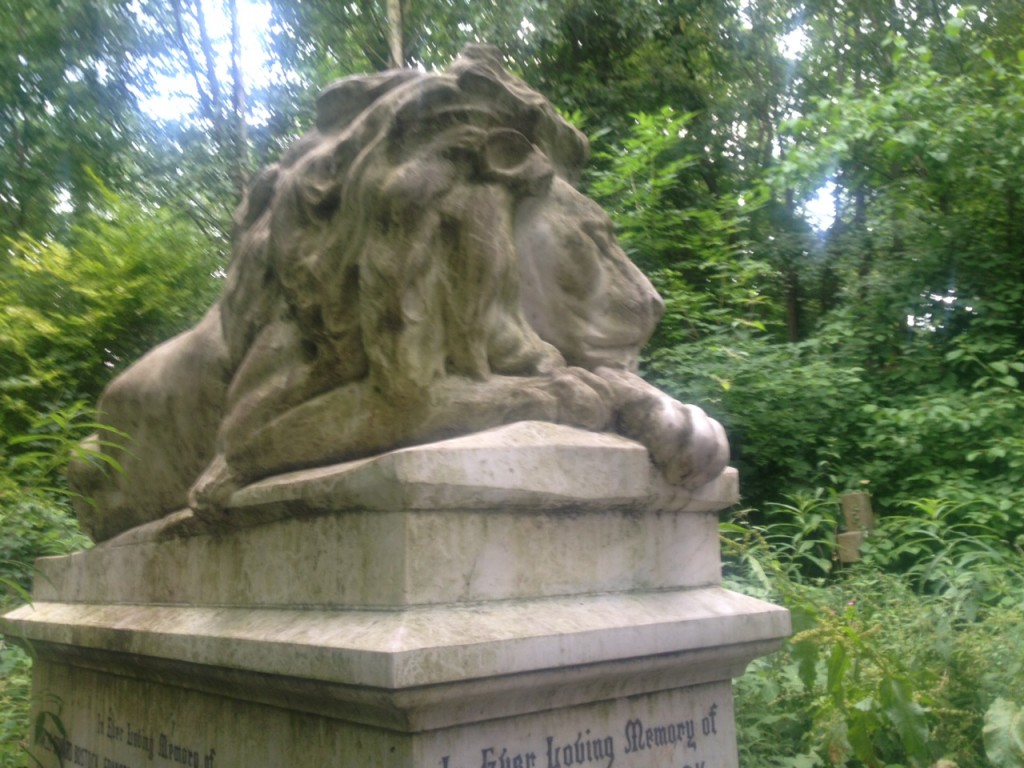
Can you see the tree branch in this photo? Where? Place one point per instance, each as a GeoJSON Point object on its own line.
{"type": "Point", "coordinates": [205, 104]}
{"type": "Point", "coordinates": [238, 103]}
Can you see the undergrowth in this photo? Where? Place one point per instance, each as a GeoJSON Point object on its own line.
{"type": "Point", "coordinates": [15, 687]}
{"type": "Point", "coordinates": [891, 665]}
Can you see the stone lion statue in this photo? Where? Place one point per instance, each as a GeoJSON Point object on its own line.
{"type": "Point", "coordinates": [418, 266]}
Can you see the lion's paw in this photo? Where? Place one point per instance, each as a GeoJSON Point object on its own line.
{"type": "Point", "coordinates": [584, 399]}
{"type": "Point", "coordinates": [210, 494]}
{"type": "Point", "coordinates": [695, 449]}
{"type": "Point", "coordinates": [687, 445]}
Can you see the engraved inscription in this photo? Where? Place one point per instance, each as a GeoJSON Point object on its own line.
{"type": "Point", "coordinates": [583, 750]}
{"type": "Point", "coordinates": [152, 745]}
{"type": "Point", "coordinates": [686, 738]}
{"type": "Point", "coordinates": [494, 759]}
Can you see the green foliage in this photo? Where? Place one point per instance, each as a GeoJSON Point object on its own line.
{"type": "Point", "coordinates": [805, 530]}
{"type": "Point", "coordinates": [637, 180]}
{"type": "Point", "coordinates": [961, 445]}
{"type": "Point", "coordinates": [35, 521]}
{"type": "Point", "coordinates": [940, 549]}
{"type": "Point", "coordinates": [1004, 734]}
{"type": "Point", "coordinates": [791, 412]}
{"type": "Point", "coordinates": [76, 310]}
{"type": "Point", "coordinates": [689, 242]}
{"type": "Point", "coordinates": [66, 105]}
{"type": "Point", "coordinates": [35, 516]}
{"type": "Point", "coordinates": [876, 673]}
{"type": "Point", "coordinates": [15, 700]}
{"type": "Point", "coordinates": [31, 528]}
{"type": "Point", "coordinates": [927, 245]}
{"type": "Point", "coordinates": [804, 415]}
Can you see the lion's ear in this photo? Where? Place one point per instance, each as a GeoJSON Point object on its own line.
{"type": "Point", "coordinates": [510, 158]}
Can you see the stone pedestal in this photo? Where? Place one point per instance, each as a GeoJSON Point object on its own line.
{"type": "Point", "coordinates": [529, 597]}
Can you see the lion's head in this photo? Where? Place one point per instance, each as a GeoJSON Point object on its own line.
{"type": "Point", "coordinates": [417, 265]}
{"type": "Point", "coordinates": [427, 226]}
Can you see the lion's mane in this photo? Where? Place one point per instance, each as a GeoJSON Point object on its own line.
{"type": "Point", "coordinates": [359, 228]}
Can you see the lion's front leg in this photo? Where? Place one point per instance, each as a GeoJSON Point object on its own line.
{"type": "Point", "coordinates": [358, 419]}
{"type": "Point", "coordinates": [571, 396]}
{"type": "Point", "coordinates": [689, 447]}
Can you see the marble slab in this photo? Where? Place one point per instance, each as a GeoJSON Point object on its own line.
{"type": "Point", "coordinates": [113, 722]}
{"type": "Point", "coordinates": [527, 510]}
{"type": "Point", "coordinates": [416, 647]}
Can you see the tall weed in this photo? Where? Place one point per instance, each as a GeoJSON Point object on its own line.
{"type": "Point", "coordinates": [884, 668]}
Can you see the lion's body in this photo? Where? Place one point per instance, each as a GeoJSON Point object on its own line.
{"type": "Point", "coordinates": [418, 266]}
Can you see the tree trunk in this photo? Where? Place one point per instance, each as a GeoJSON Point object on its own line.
{"type": "Point", "coordinates": [209, 95]}
{"type": "Point", "coordinates": [793, 305]}
{"type": "Point", "coordinates": [241, 132]}
{"type": "Point", "coordinates": [395, 42]}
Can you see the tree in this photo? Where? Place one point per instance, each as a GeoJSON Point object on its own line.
{"type": "Point", "coordinates": [226, 112]}
{"type": "Point", "coordinates": [326, 40]}
{"type": "Point", "coordinates": [67, 107]}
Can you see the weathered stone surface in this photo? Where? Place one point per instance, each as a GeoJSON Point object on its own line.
{"type": "Point", "coordinates": [113, 722]}
{"type": "Point", "coordinates": [527, 510]}
{"type": "Point", "coordinates": [404, 651]}
{"type": "Point", "coordinates": [428, 607]}
{"type": "Point", "coordinates": [419, 266]}
{"type": "Point", "coordinates": [412, 688]}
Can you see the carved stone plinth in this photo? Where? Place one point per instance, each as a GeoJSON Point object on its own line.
{"type": "Point", "coordinates": [534, 596]}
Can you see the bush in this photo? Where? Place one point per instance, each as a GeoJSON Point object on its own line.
{"type": "Point", "coordinates": [880, 671]}
{"type": "Point", "coordinates": [31, 528]}
{"type": "Point", "coordinates": [963, 446]}
{"type": "Point", "coordinates": [35, 514]}
{"type": "Point", "coordinates": [792, 414]}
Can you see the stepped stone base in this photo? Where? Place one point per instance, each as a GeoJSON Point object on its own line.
{"type": "Point", "coordinates": [530, 597]}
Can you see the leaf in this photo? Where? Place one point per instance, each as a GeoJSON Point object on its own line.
{"type": "Point", "coordinates": [861, 730]}
{"type": "Point", "coordinates": [726, 527]}
{"type": "Point", "coordinates": [19, 590]}
{"type": "Point", "coordinates": [806, 656]}
{"type": "Point", "coordinates": [897, 698]}
{"type": "Point", "coordinates": [1003, 734]}
{"type": "Point", "coordinates": [759, 574]}
{"type": "Point", "coordinates": [838, 663]}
